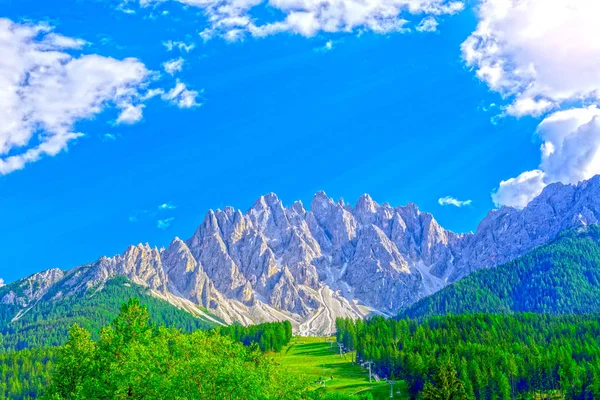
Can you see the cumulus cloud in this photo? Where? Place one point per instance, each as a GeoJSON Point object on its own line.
{"type": "Point", "coordinates": [173, 66]}
{"type": "Point", "coordinates": [232, 20]}
{"type": "Point", "coordinates": [46, 91]}
{"type": "Point", "coordinates": [570, 153]}
{"type": "Point", "coordinates": [451, 201]}
{"type": "Point", "coordinates": [518, 192]}
{"type": "Point", "coordinates": [538, 53]}
{"type": "Point", "coordinates": [164, 223]}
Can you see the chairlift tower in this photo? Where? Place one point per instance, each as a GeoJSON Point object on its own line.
{"type": "Point", "coordinates": [369, 363]}
{"type": "Point", "coordinates": [391, 383]}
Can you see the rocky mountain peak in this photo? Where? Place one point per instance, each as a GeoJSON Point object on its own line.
{"type": "Point", "coordinates": [366, 204]}
{"type": "Point", "coordinates": [298, 208]}
{"type": "Point", "coordinates": [320, 201]}
{"type": "Point", "coordinates": [310, 266]}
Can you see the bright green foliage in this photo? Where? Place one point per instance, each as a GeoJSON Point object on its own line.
{"type": "Point", "coordinates": [135, 360]}
{"type": "Point", "coordinates": [270, 336]}
{"type": "Point", "coordinates": [494, 356]}
{"type": "Point", "coordinates": [47, 322]}
{"type": "Point", "coordinates": [562, 277]}
{"type": "Point", "coordinates": [320, 360]}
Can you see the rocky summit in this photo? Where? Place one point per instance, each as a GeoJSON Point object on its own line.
{"type": "Point", "coordinates": [311, 265]}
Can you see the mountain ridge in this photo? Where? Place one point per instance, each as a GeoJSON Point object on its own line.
{"type": "Point", "coordinates": [558, 277]}
{"type": "Point", "coordinates": [333, 260]}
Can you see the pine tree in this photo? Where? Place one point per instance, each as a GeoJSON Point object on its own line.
{"type": "Point", "coordinates": [445, 385]}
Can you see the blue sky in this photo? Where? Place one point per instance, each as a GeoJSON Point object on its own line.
{"type": "Point", "coordinates": [402, 115]}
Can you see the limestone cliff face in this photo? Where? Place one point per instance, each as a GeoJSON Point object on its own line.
{"type": "Point", "coordinates": [311, 266]}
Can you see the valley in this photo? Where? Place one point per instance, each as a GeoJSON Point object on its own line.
{"type": "Point", "coordinates": [319, 359]}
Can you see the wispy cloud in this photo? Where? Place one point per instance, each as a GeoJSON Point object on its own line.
{"type": "Point", "coordinates": [182, 46]}
{"type": "Point", "coordinates": [130, 114]}
{"type": "Point", "coordinates": [108, 137]}
{"type": "Point", "coordinates": [139, 214]}
{"type": "Point", "coordinates": [233, 20]}
{"type": "Point", "coordinates": [164, 223]}
{"type": "Point", "coordinates": [451, 201]}
{"type": "Point", "coordinates": [427, 24]}
{"type": "Point", "coordinates": [328, 46]}
{"type": "Point", "coordinates": [167, 206]}
{"type": "Point", "coordinates": [181, 96]}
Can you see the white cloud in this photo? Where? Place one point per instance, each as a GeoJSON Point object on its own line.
{"type": "Point", "coordinates": [164, 223]}
{"type": "Point", "coordinates": [1, 282]}
{"type": "Point", "coordinates": [109, 137]}
{"type": "Point", "coordinates": [538, 53]}
{"type": "Point", "coordinates": [182, 46]}
{"type": "Point", "coordinates": [518, 192]}
{"type": "Point", "coordinates": [428, 24]}
{"type": "Point", "coordinates": [167, 206]}
{"type": "Point", "coordinates": [56, 41]}
{"type": "Point", "coordinates": [451, 201]}
{"type": "Point", "coordinates": [181, 96]}
{"type": "Point", "coordinates": [232, 20]}
{"type": "Point", "coordinates": [570, 153]}
{"type": "Point", "coordinates": [46, 91]}
{"type": "Point", "coordinates": [130, 114]}
{"type": "Point", "coordinates": [328, 46]}
{"type": "Point", "coordinates": [173, 66]}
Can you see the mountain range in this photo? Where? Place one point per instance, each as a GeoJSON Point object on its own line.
{"type": "Point", "coordinates": [311, 265]}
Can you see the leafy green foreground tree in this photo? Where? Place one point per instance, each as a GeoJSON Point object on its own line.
{"type": "Point", "coordinates": [135, 360]}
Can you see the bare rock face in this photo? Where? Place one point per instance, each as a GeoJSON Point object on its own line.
{"type": "Point", "coordinates": [29, 290]}
{"type": "Point", "coordinates": [311, 266]}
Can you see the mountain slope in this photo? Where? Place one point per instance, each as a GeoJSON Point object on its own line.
{"type": "Point", "coordinates": [46, 322]}
{"type": "Point", "coordinates": [310, 266]}
{"type": "Point", "coordinates": [561, 277]}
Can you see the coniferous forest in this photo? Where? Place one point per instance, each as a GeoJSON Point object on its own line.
{"type": "Point", "coordinates": [270, 336]}
{"type": "Point", "coordinates": [482, 356]}
{"type": "Point", "coordinates": [47, 323]}
{"type": "Point", "coordinates": [561, 277]}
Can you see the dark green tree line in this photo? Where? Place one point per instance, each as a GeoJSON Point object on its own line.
{"type": "Point", "coordinates": [270, 336]}
{"type": "Point", "coordinates": [491, 356]}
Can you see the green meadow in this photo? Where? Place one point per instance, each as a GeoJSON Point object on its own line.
{"type": "Point", "coordinates": [317, 358]}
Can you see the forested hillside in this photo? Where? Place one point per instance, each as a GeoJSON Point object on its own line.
{"type": "Point", "coordinates": [562, 277]}
{"type": "Point", "coordinates": [481, 356]}
{"type": "Point", "coordinates": [47, 322]}
{"type": "Point", "coordinates": [24, 374]}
